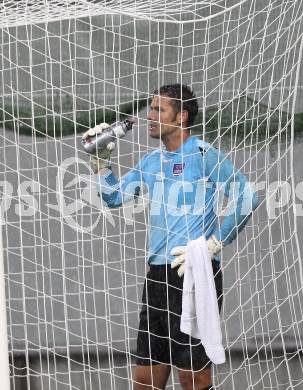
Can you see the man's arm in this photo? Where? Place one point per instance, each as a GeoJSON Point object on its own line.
{"type": "Point", "coordinates": [242, 199]}
{"type": "Point", "coordinates": [115, 191]}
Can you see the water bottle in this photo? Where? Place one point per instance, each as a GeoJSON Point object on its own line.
{"type": "Point", "coordinates": [100, 141]}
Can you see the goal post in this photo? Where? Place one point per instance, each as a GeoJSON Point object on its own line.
{"type": "Point", "coordinates": [4, 362]}
{"type": "Point", "coordinates": [75, 268]}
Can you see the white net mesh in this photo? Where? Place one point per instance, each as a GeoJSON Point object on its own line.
{"type": "Point", "coordinates": [74, 268]}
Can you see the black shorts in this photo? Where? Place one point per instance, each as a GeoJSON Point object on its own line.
{"type": "Point", "coordinates": [159, 337]}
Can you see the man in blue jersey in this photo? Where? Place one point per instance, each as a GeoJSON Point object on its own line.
{"type": "Point", "coordinates": [183, 178]}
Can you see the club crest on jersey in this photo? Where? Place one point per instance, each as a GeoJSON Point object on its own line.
{"type": "Point", "coordinates": [178, 168]}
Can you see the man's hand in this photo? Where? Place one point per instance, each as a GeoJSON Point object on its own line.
{"type": "Point", "coordinates": [180, 253]}
{"type": "Point", "coordinates": [101, 159]}
{"type": "Point", "coordinates": [214, 247]}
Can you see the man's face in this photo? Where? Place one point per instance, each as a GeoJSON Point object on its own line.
{"type": "Point", "coordinates": [163, 120]}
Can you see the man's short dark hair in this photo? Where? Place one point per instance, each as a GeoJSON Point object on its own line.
{"type": "Point", "coordinates": [183, 99]}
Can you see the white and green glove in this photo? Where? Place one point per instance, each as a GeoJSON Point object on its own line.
{"type": "Point", "coordinates": [214, 246]}
{"type": "Point", "coordinates": [101, 158]}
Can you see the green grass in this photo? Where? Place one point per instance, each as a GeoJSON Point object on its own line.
{"type": "Point", "coordinates": [238, 119]}
{"type": "Point", "coordinates": [244, 117]}
{"type": "Point", "coordinates": [45, 122]}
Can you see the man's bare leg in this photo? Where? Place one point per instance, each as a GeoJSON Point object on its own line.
{"type": "Point", "coordinates": [198, 380]}
{"type": "Point", "coordinates": [151, 377]}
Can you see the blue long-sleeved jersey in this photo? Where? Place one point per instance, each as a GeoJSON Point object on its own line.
{"type": "Point", "coordinates": [185, 189]}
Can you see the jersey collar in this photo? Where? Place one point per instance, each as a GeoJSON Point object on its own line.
{"type": "Point", "coordinates": [186, 146]}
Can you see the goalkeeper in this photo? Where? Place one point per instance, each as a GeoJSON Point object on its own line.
{"type": "Point", "coordinates": [183, 178]}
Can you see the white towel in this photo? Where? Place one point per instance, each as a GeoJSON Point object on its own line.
{"type": "Point", "coordinates": [200, 314]}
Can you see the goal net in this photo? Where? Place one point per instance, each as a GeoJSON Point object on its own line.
{"type": "Point", "coordinates": [73, 268]}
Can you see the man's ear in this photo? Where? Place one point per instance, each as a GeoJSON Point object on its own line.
{"type": "Point", "coordinates": [182, 118]}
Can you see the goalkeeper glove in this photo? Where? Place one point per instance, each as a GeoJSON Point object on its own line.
{"type": "Point", "coordinates": [101, 157]}
{"type": "Point", "coordinates": [214, 247]}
